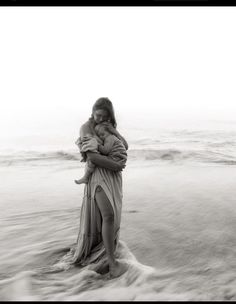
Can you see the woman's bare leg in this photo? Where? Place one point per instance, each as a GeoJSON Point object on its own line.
{"type": "Point", "coordinates": [107, 213]}
{"type": "Point", "coordinates": [108, 233]}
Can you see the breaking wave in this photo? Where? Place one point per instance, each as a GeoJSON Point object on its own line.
{"type": "Point", "coordinates": [164, 155]}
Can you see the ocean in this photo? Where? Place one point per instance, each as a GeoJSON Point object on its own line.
{"type": "Point", "coordinates": [178, 219]}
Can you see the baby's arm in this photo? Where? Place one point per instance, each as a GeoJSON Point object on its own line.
{"type": "Point", "coordinates": [107, 145]}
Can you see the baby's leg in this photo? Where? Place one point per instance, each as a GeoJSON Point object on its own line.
{"type": "Point", "coordinates": [89, 169]}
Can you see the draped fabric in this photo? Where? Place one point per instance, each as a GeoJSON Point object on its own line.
{"type": "Point", "coordinates": [89, 247]}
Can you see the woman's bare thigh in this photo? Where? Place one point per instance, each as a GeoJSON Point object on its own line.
{"type": "Point", "coordinates": [103, 203]}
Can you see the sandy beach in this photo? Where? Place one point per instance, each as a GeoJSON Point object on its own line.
{"type": "Point", "coordinates": [177, 219]}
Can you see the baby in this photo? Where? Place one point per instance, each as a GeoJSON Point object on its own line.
{"type": "Point", "coordinates": [112, 147]}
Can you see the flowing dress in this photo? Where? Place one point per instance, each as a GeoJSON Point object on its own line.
{"type": "Point", "coordinates": [89, 246]}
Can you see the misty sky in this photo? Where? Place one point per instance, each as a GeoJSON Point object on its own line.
{"type": "Point", "coordinates": [155, 64]}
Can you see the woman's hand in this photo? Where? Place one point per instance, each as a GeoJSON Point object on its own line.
{"type": "Point", "coordinates": [110, 127]}
{"type": "Point", "coordinates": [121, 163]}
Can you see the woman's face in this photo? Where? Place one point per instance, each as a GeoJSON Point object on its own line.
{"type": "Point", "coordinates": [100, 116]}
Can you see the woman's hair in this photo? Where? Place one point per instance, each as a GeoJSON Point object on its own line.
{"type": "Point", "coordinates": [104, 103]}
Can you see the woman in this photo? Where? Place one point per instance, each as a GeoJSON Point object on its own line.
{"type": "Point", "coordinates": [102, 202]}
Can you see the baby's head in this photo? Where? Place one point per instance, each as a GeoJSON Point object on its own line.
{"type": "Point", "coordinates": [102, 130]}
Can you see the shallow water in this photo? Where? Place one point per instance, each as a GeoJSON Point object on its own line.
{"type": "Point", "coordinates": [177, 235]}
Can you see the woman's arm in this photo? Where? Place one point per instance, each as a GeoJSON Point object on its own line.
{"type": "Point", "coordinates": [104, 162]}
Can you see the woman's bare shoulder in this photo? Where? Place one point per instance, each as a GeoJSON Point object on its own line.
{"type": "Point", "coordinates": [85, 128]}
{"type": "Point", "coordinates": [85, 125]}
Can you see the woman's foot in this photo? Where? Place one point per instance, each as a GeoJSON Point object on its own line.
{"type": "Point", "coordinates": [100, 267]}
{"type": "Point", "coordinates": [83, 180]}
{"type": "Point", "coordinates": [116, 269]}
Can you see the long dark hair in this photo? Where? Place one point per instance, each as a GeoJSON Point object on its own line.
{"type": "Point", "coordinates": [104, 103]}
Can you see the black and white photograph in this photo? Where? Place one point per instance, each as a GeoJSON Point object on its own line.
{"type": "Point", "coordinates": [117, 153]}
